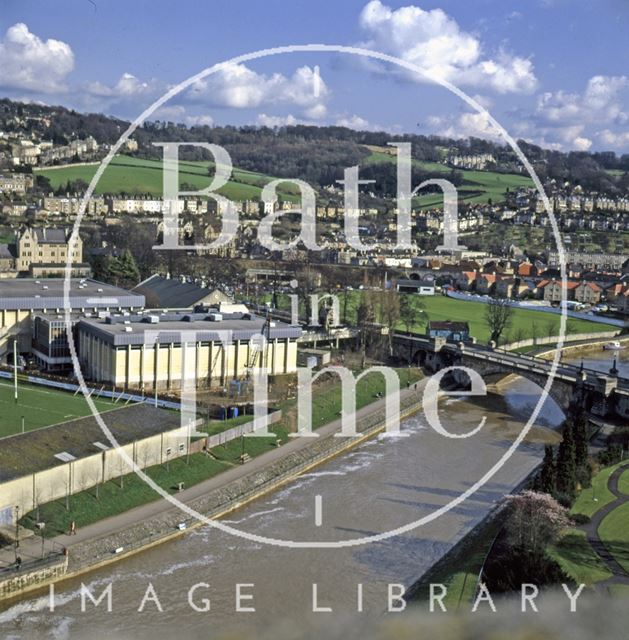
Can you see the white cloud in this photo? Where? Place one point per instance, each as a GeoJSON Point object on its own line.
{"type": "Point", "coordinates": [598, 103]}
{"type": "Point", "coordinates": [199, 121]}
{"type": "Point", "coordinates": [465, 125]}
{"type": "Point", "coordinates": [174, 113]}
{"type": "Point", "coordinates": [128, 86]}
{"type": "Point", "coordinates": [277, 121]}
{"type": "Point", "coordinates": [435, 42]}
{"type": "Point", "coordinates": [617, 140]}
{"type": "Point", "coordinates": [316, 112]}
{"type": "Point", "coordinates": [582, 143]}
{"type": "Point", "coordinates": [237, 86]}
{"type": "Point", "coordinates": [356, 122]}
{"type": "Point", "coordinates": [177, 113]}
{"type": "Point", "coordinates": [28, 62]}
{"type": "Point", "coordinates": [566, 120]}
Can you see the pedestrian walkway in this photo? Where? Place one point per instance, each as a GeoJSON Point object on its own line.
{"type": "Point", "coordinates": [31, 549]}
{"type": "Point", "coordinates": [620, 576]}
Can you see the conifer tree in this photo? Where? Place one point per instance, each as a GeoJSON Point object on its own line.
{"type": "Point", "coordinates": [548, 473]}
{"type": "Point", "coordinates": [566, 467]}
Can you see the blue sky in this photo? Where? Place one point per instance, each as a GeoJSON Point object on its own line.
{"type": "Point", "coordinates": [550, 71]}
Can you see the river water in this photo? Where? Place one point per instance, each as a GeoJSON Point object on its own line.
{"type": "Point", "coordinates": [381, 485]}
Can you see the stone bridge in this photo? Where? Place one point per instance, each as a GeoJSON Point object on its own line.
{"type": "Point", "coordinates": [599, 393]}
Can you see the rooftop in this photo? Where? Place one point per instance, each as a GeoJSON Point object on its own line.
{"type": "Point", "coordinates": [47, 293]}
{"type": "Point", "coordinates": [167, 327]}
{"type": "Point", "coordinates": [32, 452]}
{"type": "Point", "coordinates": [173, 293]}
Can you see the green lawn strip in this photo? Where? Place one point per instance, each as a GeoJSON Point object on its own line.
{"type": "Point", "coordinates": [115, 496]}
{"type": "Point", "coordinates": [578, 560]}
{"type": "Point", "coordinates": [614, 533]}
{"type": "Point", "coordinates": [618, 590]}
{"type": "Point", "coordinates": [41, 407]}
{"type": "Point", "coordinates": [119, 495]}
{"type": "Point", "coordinates": [591, 499]}
{"type": "Point", "coordinates": [459, 569]}
{"type": "Point", "coordinates": [326, 407]}
{"type": "Point", "coordinates": [623, 482]}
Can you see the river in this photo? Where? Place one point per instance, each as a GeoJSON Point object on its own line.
{"type": "Point", "coordinates": [383, 484]}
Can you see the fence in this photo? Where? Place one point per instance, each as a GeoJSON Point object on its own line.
{"type": "Point", "coordinates": [239, 430]}
{"type": "Point", "coordinates": [93, 391]}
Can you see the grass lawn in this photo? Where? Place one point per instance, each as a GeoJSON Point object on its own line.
{"type": "Point", "coordinates": [459, 570]}
{"type": "Point", "coordinates": [326, 403]}
{"type": "Point", "coordinates": [41, 407]}
{"type": "Point", "coordinates": [130, 175]}
{"type": "Point", "coordinates": [623, 482]}
{"type": "Point", "coordinates": [117, 496]}
{"type": "Point", "coordinates": [614, 532]}
{"type": "Point", "coordinates": [619, 590]}
{"type": "Point", "coordinates": [576, 557]}
{"type": "Point", "coordinates": [443, 308]}
{"type": "Point", "coordinates": [591, 499]}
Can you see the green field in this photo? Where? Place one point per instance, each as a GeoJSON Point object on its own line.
{"type": "Point", "coordinates": [591, 499]}
{"type": "Point", "coordinates": [41, 407]}
{"type": "Point", "coordinates": [138, 176]}
{"type": "Point", "coordinates": [478, 186]}
{"type": "Point", "coordinates": [443, 308]}
{"type": "Point", "coordinates": [614, 532]}
{"type": "Point", "coordinates": [623, 483]}
{"type": "Point", "coordinates": [578, 560]}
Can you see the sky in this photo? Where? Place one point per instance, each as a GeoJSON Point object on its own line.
{"type": "Point", "coordinates": [552, 72]}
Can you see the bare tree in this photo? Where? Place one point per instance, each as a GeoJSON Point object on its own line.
{"type": "Point", "coordinates": [534, 521]}
{"type": "Point", "coordinates": [550, 329]}
{"type": "Point", "coordinates": [498, 316]}
{"type": "Point", "coordinates": [390, 313]}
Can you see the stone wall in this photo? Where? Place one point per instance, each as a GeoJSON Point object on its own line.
{"type": "Point", "coordinates": [14, 583]}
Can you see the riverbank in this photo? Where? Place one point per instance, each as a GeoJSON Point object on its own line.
{"type": "Point", "coordinates": [142, 528]}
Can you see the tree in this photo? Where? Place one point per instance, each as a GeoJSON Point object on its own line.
{"type": "Point", "coordinates": [390, 313]}
{"type": "Point", "coordinates": [566, 466]}
{"type": "Point", "coordinates": [364, 319]}
{"type": "Point", "coordinates": [534, 521]}
{"type": "Point", "coordinates": [498, 314]}
{"type": "Point", "coordinates": [580, 429]}
{"type": "Point", "coordinates": [121, 270]}
{"type": "Point", "coordinates": [581, 441]}
{"type": "Point", "coordinates": [548, 475]}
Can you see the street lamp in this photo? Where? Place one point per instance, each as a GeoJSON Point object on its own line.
{"type": "Point", "coordinates": [41, 526]}
{"type": "Point", "coordinates": [17, 529]}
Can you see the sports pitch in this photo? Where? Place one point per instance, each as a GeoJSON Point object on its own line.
{"type": "Point", "coordinates": [41, 407]}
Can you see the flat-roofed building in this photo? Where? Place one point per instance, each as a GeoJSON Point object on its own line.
{"type": "Point", "coordinates": [23, 298]}
{"type": "Point", "coordinates": [67, 458]}
{"type": "Point", "coordinates": [145, 351]}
